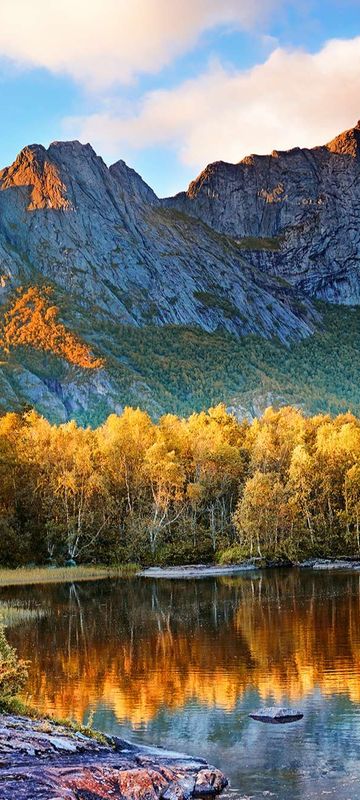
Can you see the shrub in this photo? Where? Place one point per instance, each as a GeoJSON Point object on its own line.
{"type": "Point", "coordinates": [232, 555]}
{"type": "Point", "coordinates": [13, 671]}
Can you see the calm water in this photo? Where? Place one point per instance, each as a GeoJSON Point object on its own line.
{"type": "Point", "coordinates": [182, 663]}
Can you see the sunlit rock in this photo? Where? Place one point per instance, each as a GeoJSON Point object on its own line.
{"type": "Point", "coordinates": [43, 760]}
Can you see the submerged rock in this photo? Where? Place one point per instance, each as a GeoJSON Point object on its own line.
{"type": "Point", "coordinates": [277, 716]}
{"type": "Point", "coordinates": [41, 759]}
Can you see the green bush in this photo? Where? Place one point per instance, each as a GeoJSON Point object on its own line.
{"type": "Point", "coordinates": [232, 555]}
{"type": "Point", "coordinates": [183, 551]}
{"type": "Point", "coordinates": [15, 549]}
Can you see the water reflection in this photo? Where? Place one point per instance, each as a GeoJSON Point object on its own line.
{"type": "Point", "coordinates": [182, 663]}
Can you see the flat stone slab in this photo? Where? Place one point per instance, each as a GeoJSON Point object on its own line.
{"type": "Point", "coordinates": [276, 716]}
{"type": "Point", "coordinates": [42, 760]}
{"type": "Point", "coordinates": [330, 563]}
{"type": "Point", "coordinates": [197, 570]}
{"type": "Point", "coordinates": [336, 564]}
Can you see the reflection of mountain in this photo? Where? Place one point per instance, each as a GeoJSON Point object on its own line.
{"type": "Point", "coordinates": [139, 647]}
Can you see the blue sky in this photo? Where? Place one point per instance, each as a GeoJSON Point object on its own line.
{"type": "Point", "coordinates": [168, 93]}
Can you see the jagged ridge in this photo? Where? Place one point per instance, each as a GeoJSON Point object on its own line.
{"type": "Point", "coordinates": [306, 201]}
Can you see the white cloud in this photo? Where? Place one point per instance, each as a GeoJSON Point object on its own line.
{"type": "Point", "coordinates": [294, 98]}
{"type": "Point", "coordinates": [99, 42]}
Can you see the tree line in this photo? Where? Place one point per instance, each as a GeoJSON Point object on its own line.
{"type": "Point", "coordinates": [204, 488]}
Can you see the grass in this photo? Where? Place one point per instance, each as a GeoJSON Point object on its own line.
{"type": "Point", "coordinates": [211, 300]}
{"type": "Point", "coordinates": [15, 706]}
{"type": "Point", "coordinates": [259, 243]}
{"type": "Point", "coordinates": [31, 575]}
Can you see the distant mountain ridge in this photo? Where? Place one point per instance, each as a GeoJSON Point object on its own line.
{"type": "Point", "coordinates": [248, 250]}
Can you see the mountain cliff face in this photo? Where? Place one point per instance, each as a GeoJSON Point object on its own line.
{"type": "Point", "coordinates": [102, 235]}
{"type": "Point", "coordinates": [295, 213]}
{"type": "Point", "coordinates": [93, 266]}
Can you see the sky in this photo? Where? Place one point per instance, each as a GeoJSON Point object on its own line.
{"type": "Point", "coordinates": [171, 85]}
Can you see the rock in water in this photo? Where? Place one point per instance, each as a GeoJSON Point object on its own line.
{"type": "Point", "coordinates": [277, 716]}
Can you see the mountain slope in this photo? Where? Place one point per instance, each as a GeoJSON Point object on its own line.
{"type": "Point", "coordinates": [109, 295]}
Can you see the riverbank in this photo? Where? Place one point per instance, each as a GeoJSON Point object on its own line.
{"type": "Point", "coordinates": [40, 575]}
{"type": "Point", "coordinates": [33, 575]}
{"type": "Point", "coordinates": [184, 572]}
{"type": "Point", "coordinates": [39, 758]}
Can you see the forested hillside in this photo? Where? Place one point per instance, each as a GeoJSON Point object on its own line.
{"type": "Point", "coordinates": [203, 488]}
{"type": "Point", "coordinates": [178, 369]}
{"type": "Point", "coordinates": [186, 369]}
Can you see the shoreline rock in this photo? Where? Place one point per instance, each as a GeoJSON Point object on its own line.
{"type": "Point", "coordinates": [39, 758]}
{"type": "Point", "coordinates": [196, 570]}
{"type": "Point", "coordinates": [187, 571]}
{"type": "Point", "coordinates": [329, 563]}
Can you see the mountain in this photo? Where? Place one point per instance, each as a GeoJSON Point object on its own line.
{"type": "Point", "coordinates": [295, 213]}
{"type": "Point", "coordinates": [110, 296]}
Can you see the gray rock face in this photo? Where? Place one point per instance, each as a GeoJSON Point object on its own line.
{"type": "Point", "coordinates": [295, 213]}
{"type": "Point", "coordinates": [101, 235]}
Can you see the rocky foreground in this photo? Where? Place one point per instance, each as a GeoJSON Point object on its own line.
{"type": "Point", "coordinates": [41, 760]}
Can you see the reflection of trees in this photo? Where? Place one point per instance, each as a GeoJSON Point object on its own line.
{"type": "Point", "coordinates": [76, 621]}
{"type": "Point", "coordinates": [139, 645]}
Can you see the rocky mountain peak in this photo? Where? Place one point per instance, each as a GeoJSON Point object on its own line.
{"type": "Point", "coordinates": [132, 183]}
{"type": "Point", "coordinates": [73, 152]}
{"type": "Point", "coordinates": [205, 176]}
{"type": "Point", "coordinates": [72, 146]}
{"type": "Point", "coordinates": [34, 170]}
{"type": "Point", "coordinates": [295, 213]}
{"type": "Point", "coordinates": [347, 143]}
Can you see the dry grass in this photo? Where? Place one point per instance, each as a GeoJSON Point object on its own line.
{"type": "Point", "coordinates": [25, 575]}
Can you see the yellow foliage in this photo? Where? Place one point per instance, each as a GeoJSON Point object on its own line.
{"type": "Point", "coordinates": [33, 321]}
{"type": "Point", "coordinates": [284, 486]}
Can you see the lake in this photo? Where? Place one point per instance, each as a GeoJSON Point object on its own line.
{"type": "Point", "coordinates": [182, 663]}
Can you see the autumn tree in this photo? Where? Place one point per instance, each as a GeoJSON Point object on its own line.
{"type": "Point", "coordinates": [284, 485]}
{"type": "Point", "coordinates": [32, 320]}
{"type": "Point", "coordinates": [260, 516]}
